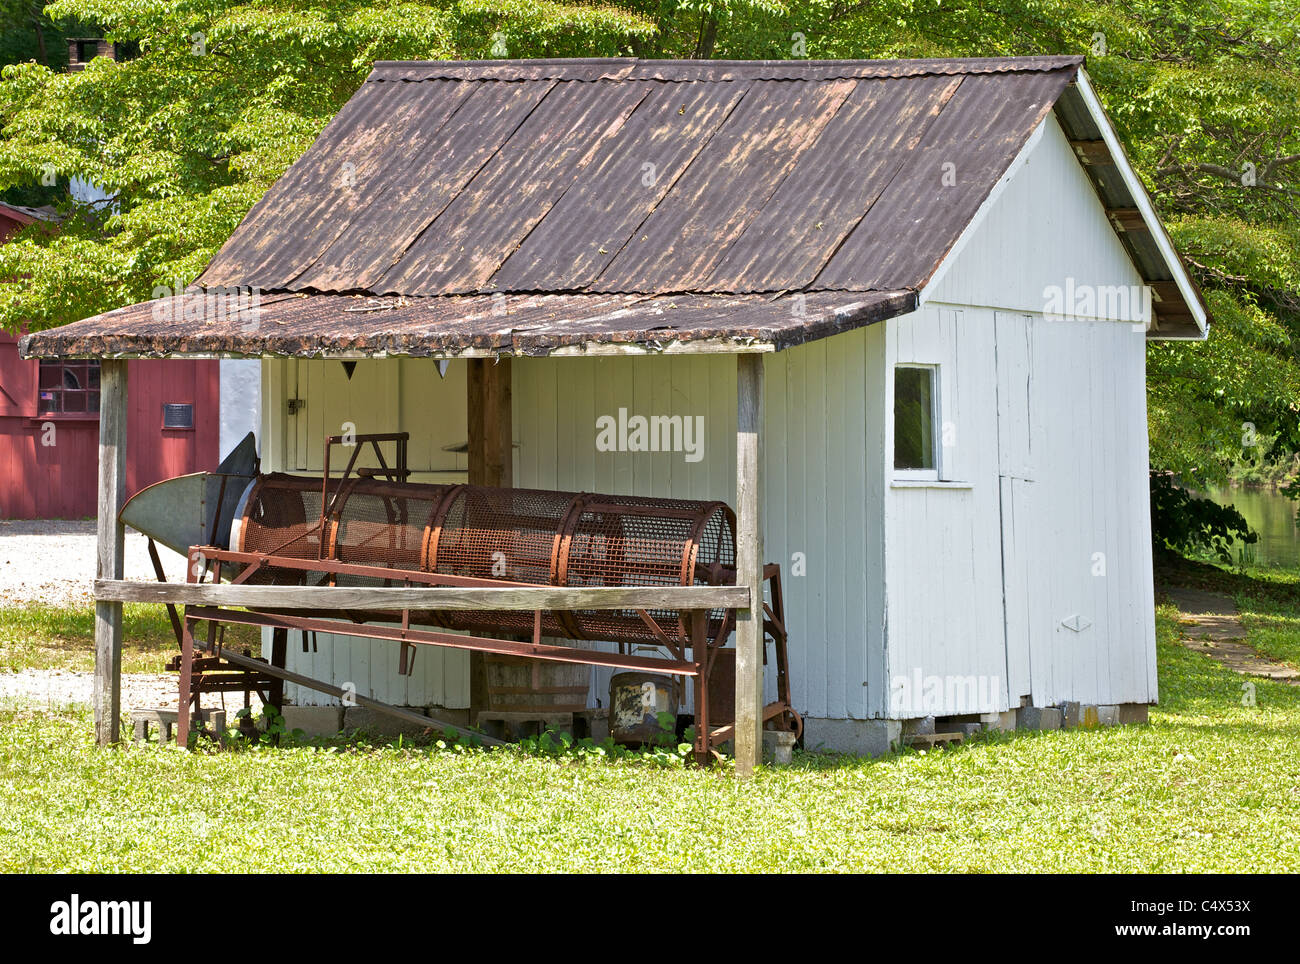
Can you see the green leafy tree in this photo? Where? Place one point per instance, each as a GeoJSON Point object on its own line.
{"type": "Point", "coordinates": [1205, 95]}
{"type": "Point", "coordinates": [223, 97]}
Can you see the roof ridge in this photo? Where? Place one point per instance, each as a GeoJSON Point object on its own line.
{"type": "Point", "coordinates": [627, 68]}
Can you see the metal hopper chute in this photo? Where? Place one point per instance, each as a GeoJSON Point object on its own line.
{"type": "Point", "coordinates": [195, 509]}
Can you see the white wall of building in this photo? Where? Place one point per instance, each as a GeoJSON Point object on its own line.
{"type": "Point", "coordinates": [241, 401]}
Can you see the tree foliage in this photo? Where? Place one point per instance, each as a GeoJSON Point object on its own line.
{"type": "Point", "coordinates": [1185, 523]}
{"type": "Point", "coordinates": [1205, 95]}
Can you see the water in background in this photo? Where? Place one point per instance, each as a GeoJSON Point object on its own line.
{"type": "Point", "coordinates": [1273, 516]}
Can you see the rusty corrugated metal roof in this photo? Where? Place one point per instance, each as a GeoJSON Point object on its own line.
{"type": "Point", "coordinates": [582, 181]}
{"type": "Point", "coordinates": [349, 325]}
{"type": "Point", "coordinates": [643, 177]}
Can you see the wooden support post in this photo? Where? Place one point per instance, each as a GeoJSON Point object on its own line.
{"type": "Point", "coordinates": [498, 430]}
{"type": "Point", "coordinates": [749, 562]}
{"type": "Point", "coordinates": [491, 462]}
{"type": "Point", "coordinates": [491, 444]}
{"type": "Point", "coordinates": [109, 549]}
{"type": "Point", "coordinates": [474, 418]}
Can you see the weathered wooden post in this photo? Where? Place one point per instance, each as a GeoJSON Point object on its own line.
{"type": "Point", "coordinates": [749, 562]}
{"type": "Point", "coordinates": [491, 462]}
{"type": "Point", "coordinates": [498, 429]}
{"type": "Point", "coordinates": [491, 436]}
{"type": "Point", "coordinates": [109, 548]}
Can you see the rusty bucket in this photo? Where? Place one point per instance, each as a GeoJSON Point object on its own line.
{"type": "Point", "coordinates": [635, 702]}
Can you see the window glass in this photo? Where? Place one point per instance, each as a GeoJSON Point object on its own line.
{"type": "Point", "coordinates": [68, 386]}
{"type": "Point", "coordinates": [914, 418]}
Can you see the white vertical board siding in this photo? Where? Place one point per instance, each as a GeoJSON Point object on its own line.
{"type": "Point", "coordinates": [1089, 549]}
{"type": "Point", "coordinates": [383, 395]}
{"type": "Point", "coordinates": [943, 539]}
{"type": "Point", "coordinates": [822, 481]}
{"type": "Point", "coordinates": [1056, 505]}
{"type": "Point", "coordinates": [1067, 481]}
{"type": "Point", "coordinates": [1046, 226]}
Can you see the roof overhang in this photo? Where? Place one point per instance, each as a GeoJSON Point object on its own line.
{"type": "Point", "coordinates": [1179, 312]}
{"type": "Point", "coordinates": [207, 324]}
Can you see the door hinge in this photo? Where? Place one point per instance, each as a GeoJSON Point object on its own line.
{"type": "Point", "coordinates": [294, 405]}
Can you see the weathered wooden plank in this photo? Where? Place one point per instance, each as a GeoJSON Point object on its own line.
{"type": "Point", "coordinates": [749, 563]}
{"type": "Point", "coordinates": [474, 420]}
{"type": "Point", "coordinates": [110, 537]}
{"type": "Point", "coordinates": [498, 429]}
{"type": "Point", "coordinates": [383, 598]}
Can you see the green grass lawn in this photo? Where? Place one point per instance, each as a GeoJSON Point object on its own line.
{"type": "Point", "coordinates": [1210, 785]}
{"type": "Point", "coordinates": [44, 637]}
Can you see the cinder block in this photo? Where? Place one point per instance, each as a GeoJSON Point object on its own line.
{"type": "Point", "coordinates": [1075, 714]}
{"type": "Point", "coordinates": [778, 747]}
{"type": "Point", "coordinates": [1108, 715]}
{"type": "Point", "coordinates": [457, 718]}
{"type": "Point", "coordinates": [593, 723]}
{"type": "Point", "coordinates": [1002, 722]}
{"type": "Point", "coordinates": [855, 737]}
{"type": "Point", "coordinates": [314, 720]}
{"type": "Point", "coordinates": [921, 726]}
{"type": "Point", "coordinates": [381, 726]}
{"type": "Point", "coordinates": [1038, 718]}
{"type": "Point", "coordinates": [1133, 712]}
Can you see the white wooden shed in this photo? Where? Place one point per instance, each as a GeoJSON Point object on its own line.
{"type": "Point", "coordinates": [937, 278]}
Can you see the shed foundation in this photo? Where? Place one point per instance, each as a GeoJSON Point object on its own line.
{"type": "Point", "coordinates": [856, 737]}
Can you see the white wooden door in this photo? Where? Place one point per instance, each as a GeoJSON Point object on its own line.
{"type": "Point", "coordinates": [1013, 338]}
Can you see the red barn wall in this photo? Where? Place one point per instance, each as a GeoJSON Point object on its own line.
{"type": "Point", "coordinates": [59, 481]}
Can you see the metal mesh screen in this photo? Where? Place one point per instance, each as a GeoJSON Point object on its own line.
{"type": "Point", "coordinates": [510, 534]}
{"type": "Point", "coordinates": [528, 536]}
{"type": "Point", "coordinates": [282, 518]}
{"type": "Point", "coordinates": [629, 541]}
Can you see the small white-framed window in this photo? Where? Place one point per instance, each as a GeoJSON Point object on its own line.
{"type": "Point", "coordinates": [916, 418]}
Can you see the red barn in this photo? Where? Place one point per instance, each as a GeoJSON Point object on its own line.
{"type": "Point", "coordinates": [49, 420]}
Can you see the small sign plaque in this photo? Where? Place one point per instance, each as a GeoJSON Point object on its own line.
{"type": "Point", "coordinates": [178, 415]}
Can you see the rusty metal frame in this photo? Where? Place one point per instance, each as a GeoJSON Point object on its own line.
{"type": "Point", "coordinates": [695, 628]}
{"type": "Point", "coordinates": [699, 666]}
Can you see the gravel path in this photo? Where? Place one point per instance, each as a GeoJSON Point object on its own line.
{"type": "Point", "coordinates": [55, 689]}
{"type": "Point", "coordinates": [53, 562]}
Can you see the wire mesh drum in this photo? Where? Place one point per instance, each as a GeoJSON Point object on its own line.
{"type": "Point", "coordinates": [370, 523]}
{"type": "Point", "coordinates": [506, 534]}
{"type": "Point", "coordinates": [630, 541]}
{"type": "Point", "coordinates": [529, 536]}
